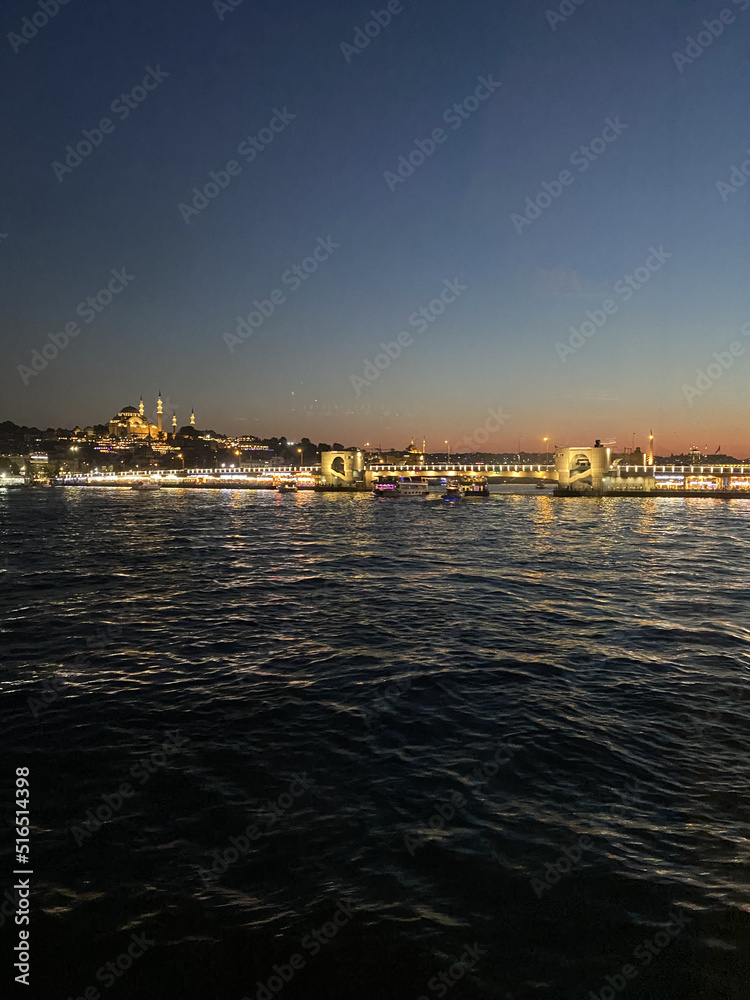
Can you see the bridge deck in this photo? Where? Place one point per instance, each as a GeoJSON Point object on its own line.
{"type": "Point", "coordinates": [535, 471]}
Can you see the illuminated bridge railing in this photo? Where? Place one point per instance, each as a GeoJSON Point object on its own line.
{"type": "Point", "coordinates": [263, 471]}
{"type": "Point", "coordinates": [459, 467]}
{"type": "Point", "coordinates": [684, 470]}
{"type": "Point", "coordinates": [257, 471]}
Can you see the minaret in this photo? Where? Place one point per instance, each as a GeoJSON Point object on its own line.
{"type": "Point", "coordinates": [192, 418]}
{"type": "Point", "coordinates": [141, 410]}
{"type": "Point", "coordinates": [159, 410]}
{"type": "Point", "coordinates": [650, 459]}
{"type": "Point", "coordinates": [174, 422]}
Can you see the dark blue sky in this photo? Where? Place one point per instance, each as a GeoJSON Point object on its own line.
{"type": "Point", "coordinates": [323, 176]}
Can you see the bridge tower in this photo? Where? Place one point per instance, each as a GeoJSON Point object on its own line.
{"type": "Point", "coordinates": [582, 470]}
{"type": "Point", "coordinates": [342, 468]}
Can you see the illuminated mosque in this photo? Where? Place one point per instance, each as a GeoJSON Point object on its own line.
{"type": "Point", "coordinates": [132, 423]}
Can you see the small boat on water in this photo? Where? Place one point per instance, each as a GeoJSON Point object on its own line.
{"type": "Point", "coordinates": [144, 485]}
{"type": "Point", "coordinates": [467, 489]}
{"type": "Point", "coordinates": [475, 488]}
{"type": "Point", "coordinates": [287, 488]}
{"type": "Point", "coordinates": [401, 486]}
{"type": "Point", "coordinates": [453, 493]}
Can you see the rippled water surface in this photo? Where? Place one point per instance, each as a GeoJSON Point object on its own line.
{"type": "Point", "coordinates": [401, 714]}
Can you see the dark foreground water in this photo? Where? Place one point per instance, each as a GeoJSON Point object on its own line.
{"type": "Point", "coordinates": [397, 749]}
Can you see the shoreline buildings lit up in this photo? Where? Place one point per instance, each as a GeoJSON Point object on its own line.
{"type": "Point", "coordinates": [130, 446]}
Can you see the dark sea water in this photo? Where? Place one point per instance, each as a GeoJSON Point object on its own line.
{"type": "Point", "coordinates": [414, 709]}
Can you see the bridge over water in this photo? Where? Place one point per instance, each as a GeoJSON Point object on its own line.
{"type": "Point", "coordinates": [576, 470]}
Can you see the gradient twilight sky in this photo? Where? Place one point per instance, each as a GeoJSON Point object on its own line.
{"type": "Point", "coordinates": [323, 176]}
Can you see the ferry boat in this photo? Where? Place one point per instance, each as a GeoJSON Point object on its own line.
{"type": "Point", "coordinates": [467, 489]}
{"type": "Point", "coordinates": [287, 488]}
{"type": "Point", "coordinates": [401, 486]}
{"type": "Point", "coordinates": [146, 484]}
{"type": "Point", "coordinates": [475, 488]}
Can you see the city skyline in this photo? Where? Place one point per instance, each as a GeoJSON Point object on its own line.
{"type": "Point", "coordinates": [481, 440]}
